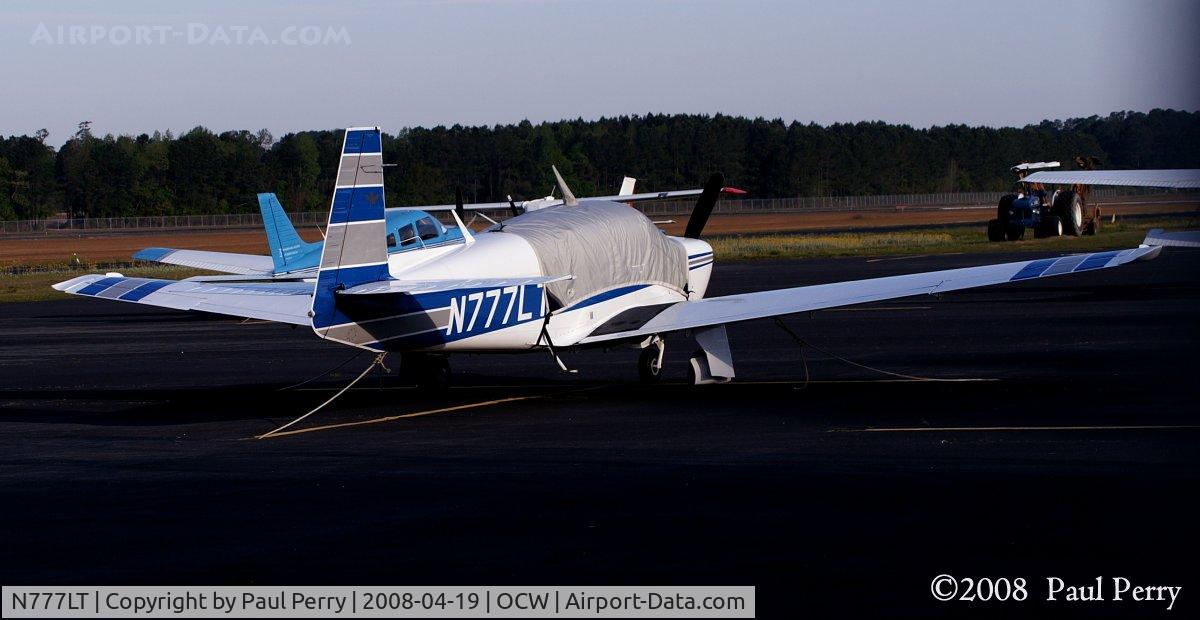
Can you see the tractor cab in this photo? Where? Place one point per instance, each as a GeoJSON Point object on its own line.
{"type": "Point", "coordinates": [1050, 213]}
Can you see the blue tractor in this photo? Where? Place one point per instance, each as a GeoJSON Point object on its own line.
{"type": "Point", "coordinates": [1048, 213]}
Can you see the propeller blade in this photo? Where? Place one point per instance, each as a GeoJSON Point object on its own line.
{"type": "Point", "coordinates": [512, 206]}
{"type": "Point", "coordinates": [458, 203]}
{"type": "Point", "coordinates": [704, 206]}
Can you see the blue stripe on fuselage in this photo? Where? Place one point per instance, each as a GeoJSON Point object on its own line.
{"type": "Point", "coordinates": [472, 313]}
{"type": "Point", "coordinates": [607, 295]}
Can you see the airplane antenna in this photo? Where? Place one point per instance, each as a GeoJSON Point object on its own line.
{"type": "Point", "coordinates": [568, 197]}
{"type": "Point", "coordinates": [458, 212]}
{"type": "Point", "coordinates": [485, 216]}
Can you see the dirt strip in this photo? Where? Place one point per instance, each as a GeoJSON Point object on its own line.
{"type": "Point", "coordinates": [59, 246]}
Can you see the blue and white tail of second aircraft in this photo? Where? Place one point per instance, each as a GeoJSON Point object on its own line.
{"type": "Point", "coordinates": [288, 251]}
{"type": "Point", "coordinates": [291, 256]}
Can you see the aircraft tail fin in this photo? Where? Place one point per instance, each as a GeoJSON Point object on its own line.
{"type": "Point", "coordinates": [355, 250]}
{"type": "Point", "coordinates": [285, 243]}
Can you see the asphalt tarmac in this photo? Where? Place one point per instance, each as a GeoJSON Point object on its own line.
{"type": "Point", "coordinates": [1060, 438]}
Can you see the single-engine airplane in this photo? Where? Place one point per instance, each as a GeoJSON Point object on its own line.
{"type": "Point", "coordinates": [583, 273]}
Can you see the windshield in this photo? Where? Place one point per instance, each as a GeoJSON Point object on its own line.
{"type": "Point", "coordinates": [408, 236]}
{"type": "Point", "coordinates": [429, 228]}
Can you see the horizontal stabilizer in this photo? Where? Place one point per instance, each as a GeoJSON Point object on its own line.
{"type": "Point", "coordinates": [285, 302]}
{"type": "Point", "coordinates": [224, 262]}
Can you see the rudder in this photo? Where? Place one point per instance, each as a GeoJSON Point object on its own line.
{"type": "Point", "coordinates": [355, 250]}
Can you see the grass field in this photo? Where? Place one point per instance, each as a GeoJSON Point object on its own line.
{"type": "Point", "coordinates": [1128, 233]}
{"type": "Point", "coordinates": [35, 285]}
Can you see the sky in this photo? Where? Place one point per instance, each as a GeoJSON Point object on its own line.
{"type": "Point", "coordinates": [134, 67]}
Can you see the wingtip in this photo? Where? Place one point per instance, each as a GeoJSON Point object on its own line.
{"type": "Point", "coordinates": [66, 285]}
{"type": "Point", "coordinates": [1155, 250]}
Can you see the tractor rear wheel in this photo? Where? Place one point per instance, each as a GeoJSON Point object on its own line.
{"type": "Point", "coordinates": [995, 231]}
{"type": "Point", "coordinates": [1004, 208]}
{"type": "Point", "coordinates": [1069, 208]}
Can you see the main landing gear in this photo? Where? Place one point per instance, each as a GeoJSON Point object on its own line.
{"type": "Point", "coordinates": [428, 370]}
{"type": "Point", "coordinates": [650, 361]}
{"type": "Point", "coordinates": [711, 363]}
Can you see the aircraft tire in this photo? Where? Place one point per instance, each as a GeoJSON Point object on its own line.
{"type": "Point", "coordinates": [436, 376]}
{"type": "Point", "coordinates": [429, 372]}
{"type": "Point", "coordinates": [649, 370]}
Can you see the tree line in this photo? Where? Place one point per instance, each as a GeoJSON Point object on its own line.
{"type": "Point", "coordinates": [203, 172]}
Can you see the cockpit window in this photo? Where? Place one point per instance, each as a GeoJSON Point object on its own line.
{"type": "Point", "coordinates": [408, 235]}
{"type": "Point", "coordinates": [428, 228]}
{"type": "Point", "coordinates": [391, 240]}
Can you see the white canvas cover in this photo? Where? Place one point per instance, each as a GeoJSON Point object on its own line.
{"type": "Point", "coordinates": [604, 245]}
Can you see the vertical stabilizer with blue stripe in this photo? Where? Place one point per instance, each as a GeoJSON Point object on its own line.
{"type": "Point", "coordinates": [286, 245]}
{"type": "Point", "coordinates": [355, 249]}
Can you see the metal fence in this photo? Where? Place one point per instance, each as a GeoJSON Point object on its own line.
{"type": "Point", "coordinates": [150, 222]}
{"type": "Point", "coordinates": [801, 204]}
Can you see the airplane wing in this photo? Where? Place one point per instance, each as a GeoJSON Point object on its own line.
{"type": "Point", "coordinates": [643, 197]}
{"type": "Point", "coordinates": [285, 302]}
{"type": "Point", "coordinates": [224, 262]}
{"type": "Point", "coordinates": [1182, 238]}
{"type": "Point", "coordinates": [1179, 179]}
{"type": "Point", "coordinates": [649, 320]}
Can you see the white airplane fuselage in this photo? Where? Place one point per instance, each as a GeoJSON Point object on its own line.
{"type": "Point", "coordinates": [497, 254]}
